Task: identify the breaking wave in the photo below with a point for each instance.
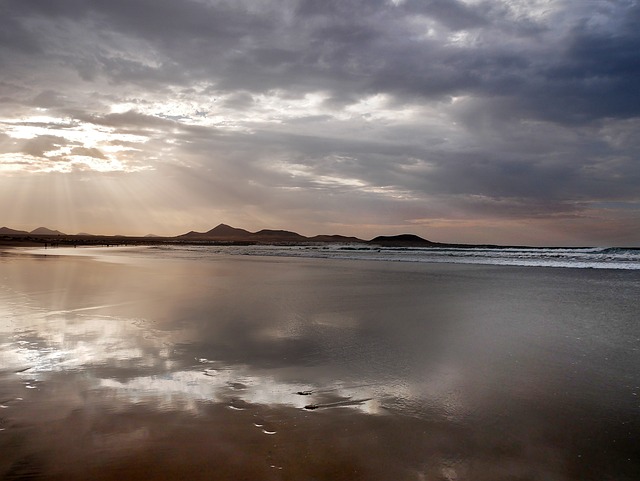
(582, 258)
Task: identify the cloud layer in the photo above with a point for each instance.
(473, 121)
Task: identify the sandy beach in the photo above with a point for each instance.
(130, 364)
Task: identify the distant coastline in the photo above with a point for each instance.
(222, 234)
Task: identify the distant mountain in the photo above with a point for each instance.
(45, 231)
(7, 231)
(226, 233)
(402, 240)
(334, 238)
(189, 234)
(270, 235)
(221, 232)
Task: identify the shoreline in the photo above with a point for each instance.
(585, 260)
(34, 240)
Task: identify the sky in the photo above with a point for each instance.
(471, 121)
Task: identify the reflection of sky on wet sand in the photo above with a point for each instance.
(129, 355)
(307, 369)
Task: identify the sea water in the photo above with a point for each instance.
(579, 258)
(318, 363)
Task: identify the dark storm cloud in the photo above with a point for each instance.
(49, 99)
(453, 14)
(95, 153)
(348, 48)
(129, 119)
(38, 146)
(593, 76)
(482, 183)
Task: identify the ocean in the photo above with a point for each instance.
(320, 363)
(579, 258)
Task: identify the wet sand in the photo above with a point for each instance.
(135, 364)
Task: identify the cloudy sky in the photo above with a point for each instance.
(502, 121)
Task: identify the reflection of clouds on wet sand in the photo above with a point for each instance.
(59, 344)
(232, 384)
(137, 364)
(101, 379)
(101, 436)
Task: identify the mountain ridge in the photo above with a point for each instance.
(225, 233)
(9, 231)
(401, 239)
(46, 231)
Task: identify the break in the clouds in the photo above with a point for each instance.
(504, 121)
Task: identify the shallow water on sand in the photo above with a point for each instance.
(124, 365)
